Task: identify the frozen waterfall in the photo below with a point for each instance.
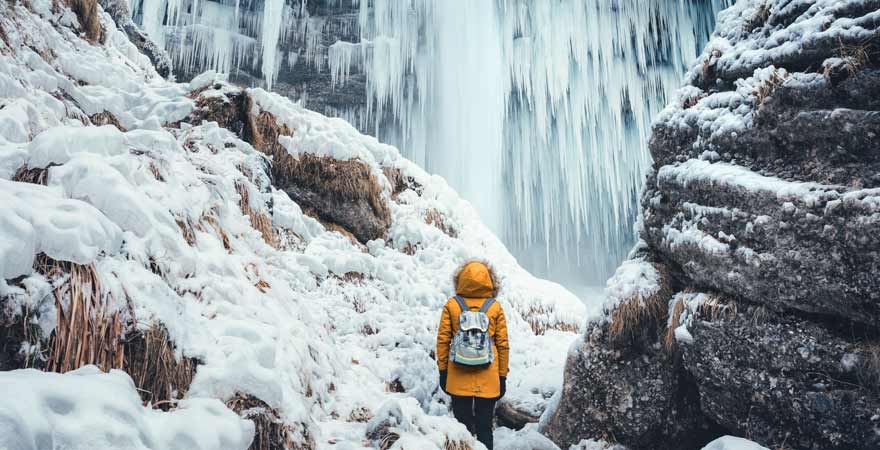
(536, 111)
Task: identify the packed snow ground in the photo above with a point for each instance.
(285, 325)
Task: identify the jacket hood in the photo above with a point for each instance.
(475, 279)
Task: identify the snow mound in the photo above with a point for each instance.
(88, 409)
(38, 220)
(733, 443)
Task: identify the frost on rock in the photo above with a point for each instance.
(175, 215)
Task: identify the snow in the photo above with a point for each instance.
(634, 278)
(282, 324)
(87, 409)
(733, 443)
(37, 220)
(526, 439)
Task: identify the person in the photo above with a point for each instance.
(474, 389)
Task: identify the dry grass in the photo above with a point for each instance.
(437, 219)
(712, 310)
(151, 361)
(635, 314)
(210, 220)
(855, 56)
(271, 433)
(361, 415)
(456, 445)
(36, 175)
(388, 440)
(399, 182)
(186, 229)
(536, 317)
(260, 221)
(106, 118)
(342, 179)
(89, 23)
(768, 87)
(88, 330)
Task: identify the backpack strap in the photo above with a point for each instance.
(461, 304)
(486, 305)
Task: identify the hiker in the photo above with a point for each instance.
(472, 349)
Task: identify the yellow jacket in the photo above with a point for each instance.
(475, 284)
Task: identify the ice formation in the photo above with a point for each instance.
(317, 328)
(536, 111)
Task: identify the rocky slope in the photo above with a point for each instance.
(751, 305)
(252, 274)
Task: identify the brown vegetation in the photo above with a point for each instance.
(438, 220)
(635, 314)
(160, 376)
(399, 182)
(106, 118)
(89, 23)
(260, 221)
(768, 87)
(271, 433)
(710, 310)
(88, 330)
(36, 175)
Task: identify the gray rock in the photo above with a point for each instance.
(635, 394)
(783, 381)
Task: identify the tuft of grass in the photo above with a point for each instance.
(270, 431)
(160, 376)
(438, 220)
(768, 87)
(635, 314)
(88, 329)
(260, 221)
(36, 175)
(536, 317)
(388, 440)
(89, 23)
(186, 229)
(106, 118)
(456, 445)
(210, 220)
(712, 310)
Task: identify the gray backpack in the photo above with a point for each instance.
(472, 345)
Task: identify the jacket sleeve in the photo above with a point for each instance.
(501, 342)
(444, 338)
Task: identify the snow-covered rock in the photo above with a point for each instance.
(762, 208)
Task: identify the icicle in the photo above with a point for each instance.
(271, 32)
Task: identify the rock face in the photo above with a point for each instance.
(764, 209)
(343, 194)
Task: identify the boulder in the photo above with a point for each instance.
(635, 394)
(784, 381)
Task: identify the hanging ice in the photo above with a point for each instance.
(536, 111)
(579, 81)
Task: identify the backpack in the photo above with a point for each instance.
(472, 345)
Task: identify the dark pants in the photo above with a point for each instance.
(476, 414)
